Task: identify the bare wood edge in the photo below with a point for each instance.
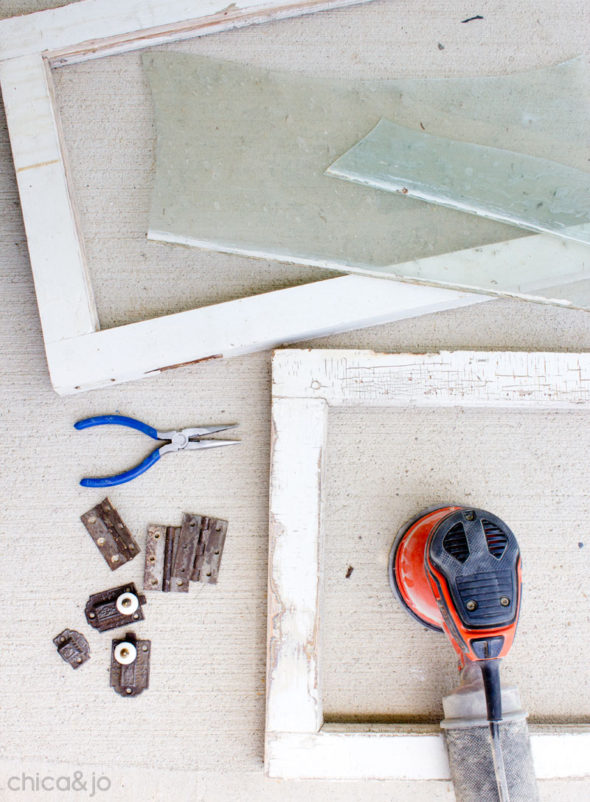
(56, 32)
(226, 20)
(367, 751)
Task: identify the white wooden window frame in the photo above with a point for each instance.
(306, 384)
(80, 356)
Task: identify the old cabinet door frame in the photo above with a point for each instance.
(306, 384)
(80, 355)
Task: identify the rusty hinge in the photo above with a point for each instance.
(115, 542)
(159, 557)
(176, 555)
(73, 647)
(209, 550)
(117, 607)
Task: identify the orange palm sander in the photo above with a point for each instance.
(457, 570)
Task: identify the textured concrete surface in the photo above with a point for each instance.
(197, 733)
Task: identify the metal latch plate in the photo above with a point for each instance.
(116, 607)
(130, 665)
(72, 647)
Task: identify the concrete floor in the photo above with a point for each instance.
(198, 732)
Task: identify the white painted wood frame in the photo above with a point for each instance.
(80, 356)
(298, 743)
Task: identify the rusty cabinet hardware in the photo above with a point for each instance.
(177, 555)
(115, 542)
(209, 550)
(130, 665)
(117, 607)
(159, 558)
(186, 549)
(72, 647)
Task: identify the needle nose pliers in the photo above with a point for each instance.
(185, 439)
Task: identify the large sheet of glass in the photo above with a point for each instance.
(242, 152)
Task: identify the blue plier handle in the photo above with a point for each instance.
(176, 441)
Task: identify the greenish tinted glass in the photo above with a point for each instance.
(525, 191)
(242, 152)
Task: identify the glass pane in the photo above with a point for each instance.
(242, 152)
(536, 194)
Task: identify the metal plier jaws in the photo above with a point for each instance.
(185, 439)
